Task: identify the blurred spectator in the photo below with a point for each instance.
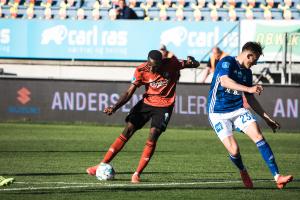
(48, 13)
(29, 3)
(165, 52)
(179, 5)
(201, 3)
(2, 2)
(270, 3)
(30, 12)
(1, 14)
(179, 14)
(13, 12)
(96, 14)
(267, 12)
(232, 3)
(163, 16)
(104, 4)
(213, 12)
(70, 3)
(288, 3)
(113, 2)
(207, 73)
(197, 15)
(287, 14)
(124, 12)
(218, 3)
(112, 14)
(80, 14)
(251, 3)
(62, 13)
(132, 3)
(167, 3)
(249, 12)
(232, 14)
(214, 15)
(146, 6)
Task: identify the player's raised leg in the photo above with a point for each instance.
(265, 150)
(234, 154)
(147, 154)
(115, 148)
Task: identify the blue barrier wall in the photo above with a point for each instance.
(112, 40)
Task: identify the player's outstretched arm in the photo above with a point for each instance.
(124, 98)
(227, 82)
(255, 105)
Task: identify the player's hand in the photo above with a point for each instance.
(256, 89)
(192, 61)
(273, 125)
(109, 110)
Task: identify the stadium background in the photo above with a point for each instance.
(60, 65)
(42, 58)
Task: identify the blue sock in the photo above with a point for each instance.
(267, 154)
(237, 160)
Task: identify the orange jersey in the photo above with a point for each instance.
(159, 87)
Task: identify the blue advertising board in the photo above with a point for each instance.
(112, 40)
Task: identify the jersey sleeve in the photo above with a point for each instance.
(225, 67)
(137, 78)
(176, 64)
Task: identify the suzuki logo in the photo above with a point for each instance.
(23, 97)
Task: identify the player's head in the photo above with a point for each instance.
(217, 53)
(154, 60)
(251, 52)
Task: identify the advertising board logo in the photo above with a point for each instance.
(24, 95)
(174, 35)
(4, 36)
(56, 34)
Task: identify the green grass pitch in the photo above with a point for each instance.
(48, 162)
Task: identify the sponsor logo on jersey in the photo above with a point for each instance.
(218, 127)
(160, 83)
(225, 65)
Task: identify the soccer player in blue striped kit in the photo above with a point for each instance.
(232, 79)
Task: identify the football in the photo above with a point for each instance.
(105, 172)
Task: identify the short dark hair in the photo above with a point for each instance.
(254, 47)
(155, 55)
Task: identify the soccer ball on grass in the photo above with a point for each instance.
(105, 172)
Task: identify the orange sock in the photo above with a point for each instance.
(146, 156)
(114, 148)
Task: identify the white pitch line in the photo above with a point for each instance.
(108, 185)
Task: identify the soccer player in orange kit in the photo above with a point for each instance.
(159, 75)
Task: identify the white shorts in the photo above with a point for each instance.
(225, 123)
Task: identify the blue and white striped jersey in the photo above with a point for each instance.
(224, 100)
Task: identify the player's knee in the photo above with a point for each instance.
(234, 150)
(129, 130)
(154, 134)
